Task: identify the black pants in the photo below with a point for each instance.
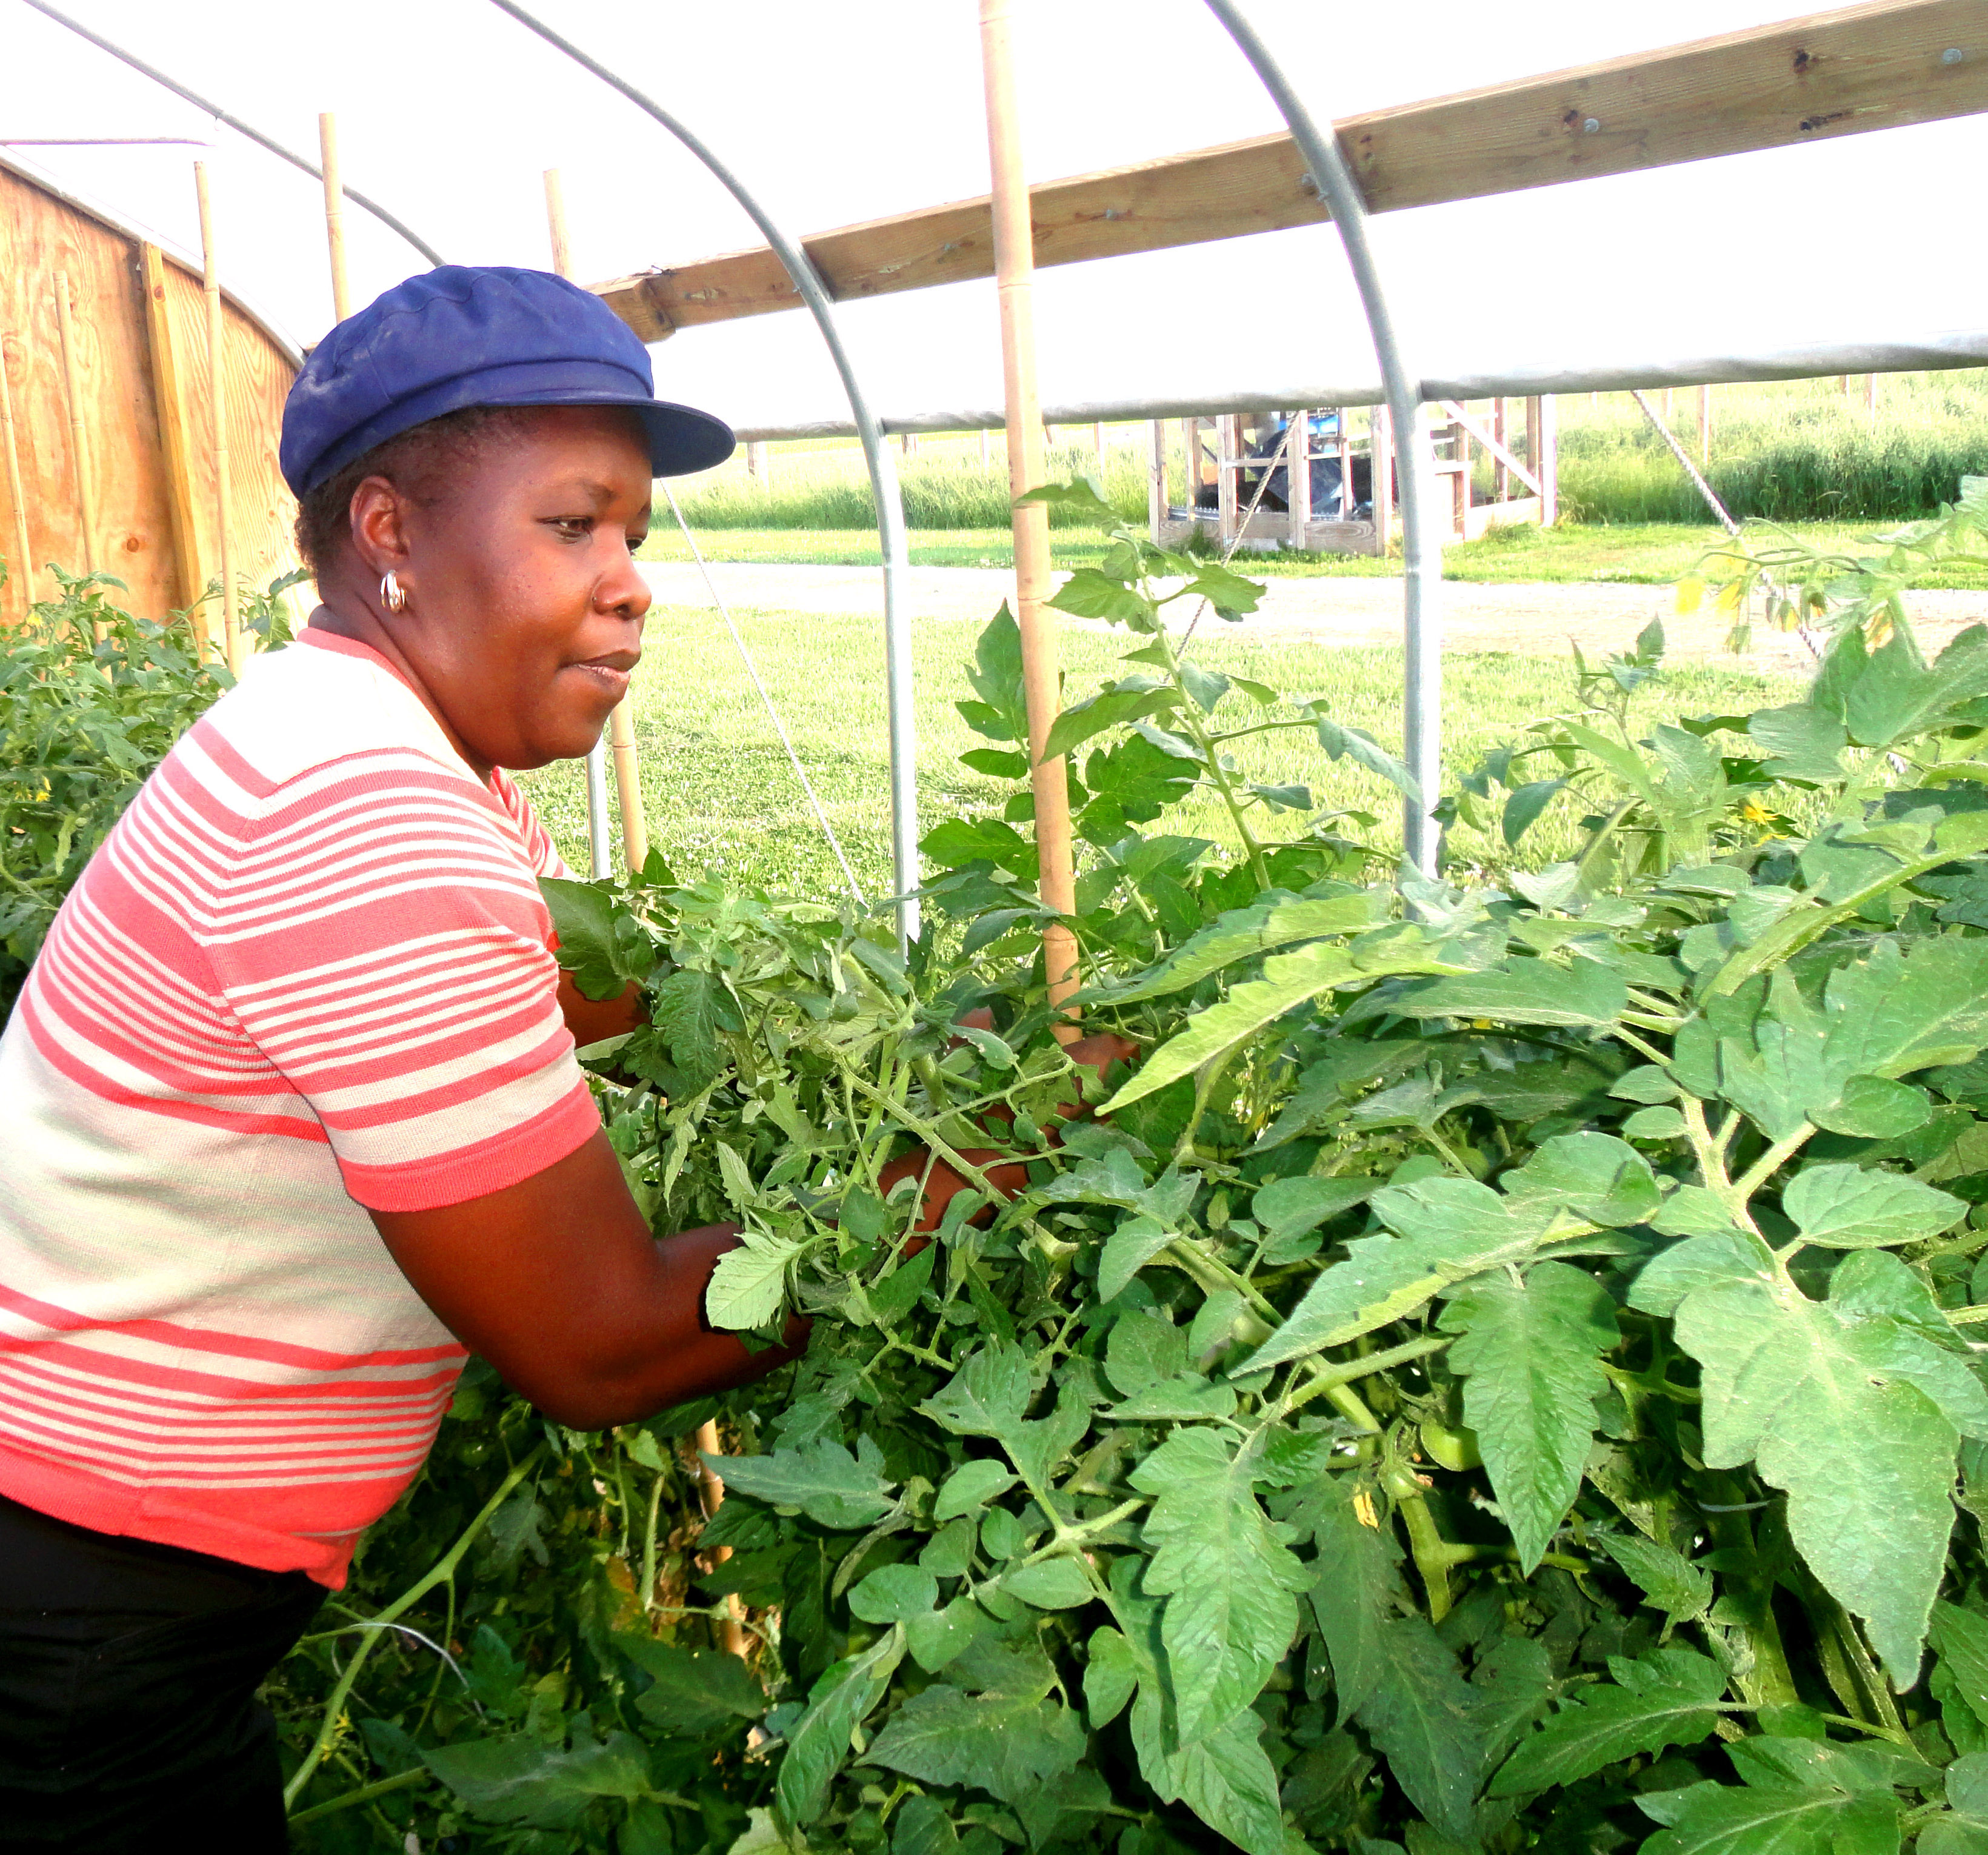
(128, 1672)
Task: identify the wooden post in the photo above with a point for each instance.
(1547, 429)
(23, 574)
(1459, 481)
(169, 399)
(1097, 444)
(217, 392)
(555, 228)
(711, 1495)
(1381, 426)
(1501, 474)
(1670, 404)
(79, 436)
(1228, 448)
(1870, 397)
(1704, 425)
(1156, 479)
(983, 446)
(1191, 463)
(1348, 501)
(1014, 270)
(755, 462)
(334, 214)
(1297, 477)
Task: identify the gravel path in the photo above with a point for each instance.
(1524, 620)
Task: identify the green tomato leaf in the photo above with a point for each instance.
(969, 1487)
(1522, 992)
(1669, 1697)
(1050, 1584)
(820, 1479)
(1230, 1611)
(1265, 925)
(521, 1779)
(1669, 1582)
(1423, 1715)
(1002, 1742)
(1847, 1207)
(818, 1744)
(749, 1284)
(894, 1594)
(1726, 1820)
(1531, 1358)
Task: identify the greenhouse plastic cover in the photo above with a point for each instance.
(448, 111)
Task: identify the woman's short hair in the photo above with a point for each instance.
(419, 463)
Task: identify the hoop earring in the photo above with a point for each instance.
(393, 595)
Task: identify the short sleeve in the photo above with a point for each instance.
(539, 848)
(382, 942)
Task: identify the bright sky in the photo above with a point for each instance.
(449, 111)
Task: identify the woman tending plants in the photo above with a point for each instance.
(1495, 1372)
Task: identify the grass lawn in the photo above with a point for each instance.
(721, 794)
(1653, 554)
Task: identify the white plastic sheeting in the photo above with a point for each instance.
(448, 111)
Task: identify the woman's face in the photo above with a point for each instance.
(524, 606)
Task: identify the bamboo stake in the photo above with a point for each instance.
(217, 394)
(334, 214)
(24, 569)
(79, 436)
(1014, 270)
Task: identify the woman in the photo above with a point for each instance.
(289, 1115)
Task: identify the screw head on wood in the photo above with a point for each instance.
(1953, 55)
(1306, 184)
(1592, 126)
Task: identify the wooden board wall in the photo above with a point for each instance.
(41, 235)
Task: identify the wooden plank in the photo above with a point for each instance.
(1228, 448)
(170, 404)
(1879, 65)
(21, 551)
(41, 233)
(1297, 476)
(1156, 479)
(1383, 448)
(1507, 463)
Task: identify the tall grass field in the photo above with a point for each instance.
(1793, 450)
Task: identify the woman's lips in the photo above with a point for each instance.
(612, 673)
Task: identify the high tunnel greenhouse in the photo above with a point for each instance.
(1216, 1318)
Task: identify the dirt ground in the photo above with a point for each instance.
(1525, 620)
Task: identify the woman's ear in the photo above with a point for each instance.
(378, 513)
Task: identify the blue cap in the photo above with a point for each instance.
(478, 335)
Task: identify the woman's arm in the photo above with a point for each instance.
(594, 1021)
(557, 1282)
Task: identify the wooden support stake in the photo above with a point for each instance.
(216, 392)
(1870, 397)
(169, 397)
(78, 435)
(1297, 477)
(1383, 467)
(1156, 479)
(23, 575)
(1014, 270)
(731, 1632)
(334, 214)
(1228, 481)
(1501, 472)
(1546, 431)
(1097, 443)
(983, 445)
(1704, 425)
(1459, 481)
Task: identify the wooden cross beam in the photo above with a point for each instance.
(1879, 65)
(1453, 410)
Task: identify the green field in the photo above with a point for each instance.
(1649, 554)
(721, 794)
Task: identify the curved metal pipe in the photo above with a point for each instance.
(237, 125)
(1421, 552)
(882, 473)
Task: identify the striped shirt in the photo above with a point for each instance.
(308, 974)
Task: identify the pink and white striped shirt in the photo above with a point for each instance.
(308, 973)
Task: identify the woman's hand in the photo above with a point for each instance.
(1096, 1053)
(557, 1282)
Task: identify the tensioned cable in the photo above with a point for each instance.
(235, 123)
(766, 695)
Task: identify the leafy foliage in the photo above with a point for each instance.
(1496, 1372)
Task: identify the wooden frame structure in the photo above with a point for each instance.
(139, 340)
(1882, 65)
(1220, 482)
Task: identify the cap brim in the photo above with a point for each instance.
(682, 440)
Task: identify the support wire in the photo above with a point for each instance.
(766, 695)
(236, 123)
(1421, 551)
(883, 472)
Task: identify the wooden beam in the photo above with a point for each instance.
(1460, 417)
(175, 448)
(1879, 65)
